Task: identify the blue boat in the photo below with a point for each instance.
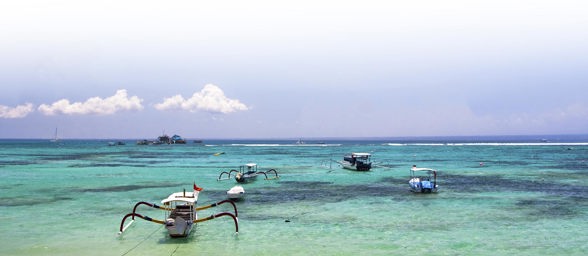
(423, 180)
(177, 139)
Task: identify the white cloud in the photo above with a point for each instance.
(210, 99)
(95, 105)
(575, 111)
(19, 111)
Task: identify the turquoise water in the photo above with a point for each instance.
(497, 196)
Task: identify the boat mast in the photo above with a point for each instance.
(55, 136)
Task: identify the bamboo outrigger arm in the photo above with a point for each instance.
(219, 203)
(220, 177)
(198, 209)
(150, 205)
(147, 218)
(269, 171)
(235, 219)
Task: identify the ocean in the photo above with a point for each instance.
(513, 195)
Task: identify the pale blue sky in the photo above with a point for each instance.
(290, 69)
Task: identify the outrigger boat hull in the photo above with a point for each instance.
(357, 162)
(178, 227)
(246, 177)
(358, 167)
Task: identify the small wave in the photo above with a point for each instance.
(415, 144)
(284, 145)
(395, 144)
(418, 144)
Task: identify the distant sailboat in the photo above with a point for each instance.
(55, 138)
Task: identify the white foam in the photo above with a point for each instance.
(285, 145)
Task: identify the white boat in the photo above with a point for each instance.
(180, 220)
(357, 162)
(181, 213)
(423, 180)
(247, 173)
(236, 193)
(55, 138)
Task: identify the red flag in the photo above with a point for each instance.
(196, 188)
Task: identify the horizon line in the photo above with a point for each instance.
(330, 137)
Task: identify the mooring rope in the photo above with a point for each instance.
(174, 252)
(137, 245)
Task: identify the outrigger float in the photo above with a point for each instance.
(247, 173)
(181, 213)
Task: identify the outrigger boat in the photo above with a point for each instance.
(426, 183)
(180, 213)
(247, 173)
(357, 162)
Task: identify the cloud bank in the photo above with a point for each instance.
(19, 111)
(210, 99)
(95, 105)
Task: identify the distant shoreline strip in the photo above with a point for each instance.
(492, 144)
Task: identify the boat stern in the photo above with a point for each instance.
(178, 227)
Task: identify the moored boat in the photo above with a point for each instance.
(177, 139)
(357, 162)
(247, 173)
(55, 138)
(236, 193)
(423, 180)
(118, 143)
(181, 213)
(163, 139)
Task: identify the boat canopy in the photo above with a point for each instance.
(251, 165)
(360, 154)
(188, 197)
(414, 169)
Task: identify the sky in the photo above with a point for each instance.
(292, 69)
